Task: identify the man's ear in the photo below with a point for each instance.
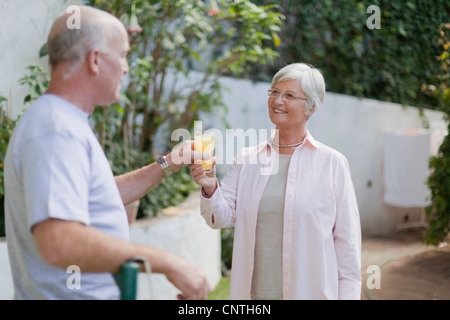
(93, 59)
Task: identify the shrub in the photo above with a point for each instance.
(439, 180)
(169, 39)
(387, 64)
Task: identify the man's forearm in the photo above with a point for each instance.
(134, 185)
(64, 243)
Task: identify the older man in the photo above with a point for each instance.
(63, 205)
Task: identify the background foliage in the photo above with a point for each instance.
(178, 37)
(439, 180)
(6, 127)
(169, 39)
(389, 64)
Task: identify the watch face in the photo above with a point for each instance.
(164, 165)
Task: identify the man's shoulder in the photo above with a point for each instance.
(50, 115)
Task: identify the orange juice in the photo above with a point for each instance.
(204, 142)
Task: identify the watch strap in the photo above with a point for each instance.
(164, 165)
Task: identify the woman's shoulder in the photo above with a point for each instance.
(249, 150)
(250, 154)
(330, 152)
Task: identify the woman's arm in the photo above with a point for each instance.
(218, 202)
(347, 236)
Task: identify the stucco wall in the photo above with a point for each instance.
(6, 284)
(24, 27)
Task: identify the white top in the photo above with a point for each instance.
(56, 168)
(321, 246)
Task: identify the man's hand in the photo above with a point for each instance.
(189, 279)
(183, 154)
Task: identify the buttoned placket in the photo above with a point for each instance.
(287, 223)
(288, 214)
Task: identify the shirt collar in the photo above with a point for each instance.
(69, 106)
(313, 142)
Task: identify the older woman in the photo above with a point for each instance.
(297, 230)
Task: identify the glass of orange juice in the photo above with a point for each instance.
(204, 142)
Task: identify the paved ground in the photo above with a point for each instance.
(409, 270)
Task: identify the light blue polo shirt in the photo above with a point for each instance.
(56, 168)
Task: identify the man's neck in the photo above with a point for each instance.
(73, 90)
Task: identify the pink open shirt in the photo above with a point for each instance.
(321, 230)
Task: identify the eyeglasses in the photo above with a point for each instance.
(273, 93)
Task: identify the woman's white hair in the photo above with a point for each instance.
(310, 80)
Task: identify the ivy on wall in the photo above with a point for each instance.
(389, 64)
(439, 180)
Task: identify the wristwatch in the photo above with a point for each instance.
(164, 165)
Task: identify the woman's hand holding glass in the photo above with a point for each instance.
(204, 172)
(206, 179)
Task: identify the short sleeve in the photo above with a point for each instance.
(55, 174)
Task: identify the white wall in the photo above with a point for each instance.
(6, 283)
(351, 125)
(187, 236)
(24, 27)
(356, 127)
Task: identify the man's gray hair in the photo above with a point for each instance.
(310, 79)
(73, 44)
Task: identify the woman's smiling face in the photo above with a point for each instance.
(283, 112)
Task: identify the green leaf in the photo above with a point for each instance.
(43, 51)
